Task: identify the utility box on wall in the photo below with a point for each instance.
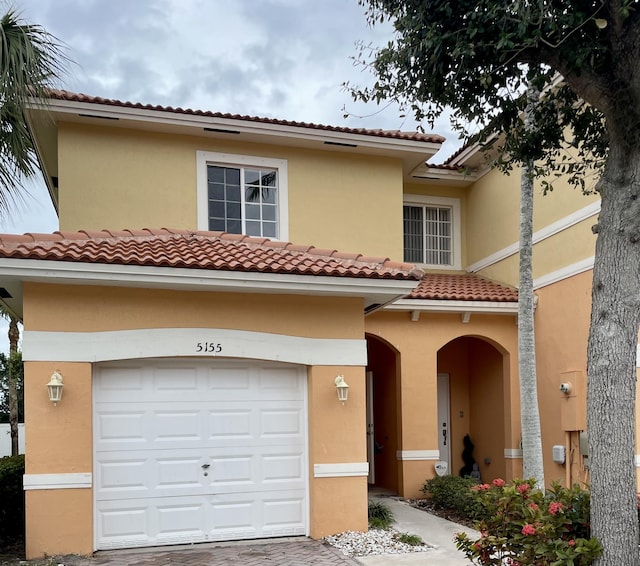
(572, 387)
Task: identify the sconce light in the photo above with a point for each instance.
(55, 386)
(342, 389)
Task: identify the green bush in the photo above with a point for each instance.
(411, 540)
(380, 516)
(524, 526)
(453, 493)
(11, 499)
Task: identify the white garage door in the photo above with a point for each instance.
(194, 450)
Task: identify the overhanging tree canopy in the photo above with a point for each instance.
(474, 56)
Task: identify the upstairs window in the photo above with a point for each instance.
(432, 231)
(242, 195)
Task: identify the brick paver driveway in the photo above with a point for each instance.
(288, 552)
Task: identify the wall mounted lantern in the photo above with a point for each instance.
(342, 389)
(55, 386)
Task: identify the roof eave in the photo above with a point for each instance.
(374, 291)
(454, 306)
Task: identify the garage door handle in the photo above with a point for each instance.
(205, 466)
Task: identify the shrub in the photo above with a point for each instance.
(522, 526)
(411, 540)
(454, 493)
(380, 516)
(11, 499)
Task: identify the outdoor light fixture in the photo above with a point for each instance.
(342, 389)
(55, 386)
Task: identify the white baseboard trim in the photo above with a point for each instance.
(57, 481)
(418, 455)
(346, 470)
(513, 453)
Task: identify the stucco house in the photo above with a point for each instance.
(213, 277)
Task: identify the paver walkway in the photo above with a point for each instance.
(288, 552)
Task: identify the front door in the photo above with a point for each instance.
(444, 429)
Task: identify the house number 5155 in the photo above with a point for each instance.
(209, 347)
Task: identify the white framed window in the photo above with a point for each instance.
(242, 194)
(431, 230)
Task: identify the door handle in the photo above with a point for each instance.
(205, 467)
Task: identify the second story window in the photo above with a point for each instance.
(432, 231)
(242, 195)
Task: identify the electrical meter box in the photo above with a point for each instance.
(558, 454)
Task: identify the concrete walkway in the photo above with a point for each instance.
(433, 530)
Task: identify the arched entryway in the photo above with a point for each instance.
(383, 409)
(471, 385)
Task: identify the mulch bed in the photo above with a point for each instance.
(448, 514)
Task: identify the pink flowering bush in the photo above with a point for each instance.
(521, 526)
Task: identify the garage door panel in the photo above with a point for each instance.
(198, 450)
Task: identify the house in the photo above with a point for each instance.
(213, 278)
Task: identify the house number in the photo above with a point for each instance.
(209, 347)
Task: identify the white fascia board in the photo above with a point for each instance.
(443, 306)
(169, 118)
(198, 279)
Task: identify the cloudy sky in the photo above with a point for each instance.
(273, 58)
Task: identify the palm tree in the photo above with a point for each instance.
(529, 412)
(31, 63)
(14, 338)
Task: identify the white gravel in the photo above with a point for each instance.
(375, 541)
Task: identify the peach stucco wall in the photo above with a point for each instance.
(418, 344)
(59, 439)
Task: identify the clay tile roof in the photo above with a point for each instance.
(394, 134)
(198, 250)
(462, 288)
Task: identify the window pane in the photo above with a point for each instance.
(216, 191)
(253, 228)
(413, 234)
(215, 174)
(269, 212)
(251, 177)
(234, 227)
(232, 176)
(233, 193)
(268, 178)
(253, 211)
(270, 230)
(234, 210)
(217, 224)
(252, 194)
(216, 209)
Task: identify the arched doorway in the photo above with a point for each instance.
(471, 384)
(383, 422)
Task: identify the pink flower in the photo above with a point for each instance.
(499, 482)
(555, 507)
(528, 529)
(533, 506)
(481, 487)
(571, 542)
(524, 487)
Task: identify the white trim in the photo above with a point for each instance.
(57, 481)
(204, 158)
(47, 271)
(352, 469)
(564, 273)
(174, 342)
(637, 460)
(456, 226)
(513, 453)
(638, 356)
(418, 455)
(542, 234)
(430, 305)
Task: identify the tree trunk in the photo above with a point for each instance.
(14, 337)
(532, 460)
(611, 366)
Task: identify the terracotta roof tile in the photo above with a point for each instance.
(198, 250)
(394, 134)
(462, 288)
